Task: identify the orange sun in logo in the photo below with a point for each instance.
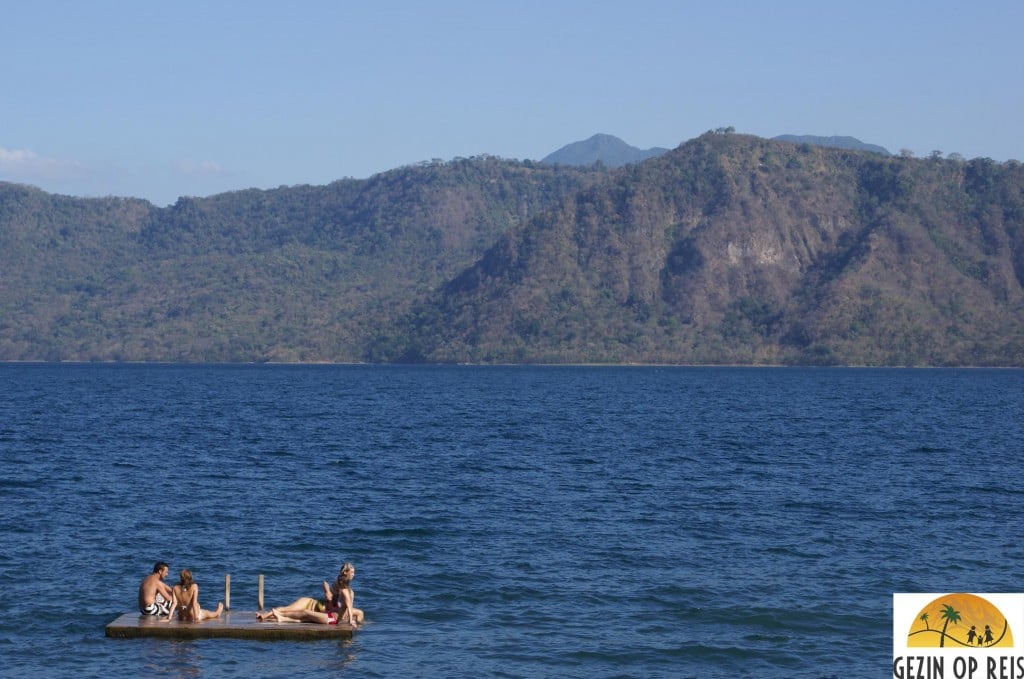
(959, 621)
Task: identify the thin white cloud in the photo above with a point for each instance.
(22, 164)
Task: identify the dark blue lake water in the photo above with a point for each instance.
(511, 522)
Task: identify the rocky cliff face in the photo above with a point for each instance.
(735, 249)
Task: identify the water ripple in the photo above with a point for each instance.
(505, 521)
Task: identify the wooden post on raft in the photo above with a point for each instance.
(227, 592)
(259, 595)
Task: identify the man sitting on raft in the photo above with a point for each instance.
(337, 605)
(154, 595)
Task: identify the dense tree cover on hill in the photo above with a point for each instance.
(833, 142)
(728, 249)
(293, 274)
(734, 249)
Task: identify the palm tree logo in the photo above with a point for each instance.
(968, 621)
(950, 616)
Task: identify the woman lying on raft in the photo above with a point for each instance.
(336, 606)
(185, 601)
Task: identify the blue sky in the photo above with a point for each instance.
(159, 99)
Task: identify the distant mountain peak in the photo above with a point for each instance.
(851, 143)
(605, 148)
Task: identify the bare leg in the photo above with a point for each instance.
(282, 618)
(303, 603)
(268, 615)
(356, 618)
(301, 616)
(209, 615)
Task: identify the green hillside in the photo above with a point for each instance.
(306, 273)
(728, 249)
(734, 249)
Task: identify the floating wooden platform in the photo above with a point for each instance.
(232, 624)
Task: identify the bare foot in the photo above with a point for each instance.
(281, 617)
(220, 609)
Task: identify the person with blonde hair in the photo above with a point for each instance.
(185, 600)
(336, 607)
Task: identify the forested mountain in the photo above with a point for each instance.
(728, 249)
(734, 249)
(613, 152)
(851, 143)
(305, 273)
